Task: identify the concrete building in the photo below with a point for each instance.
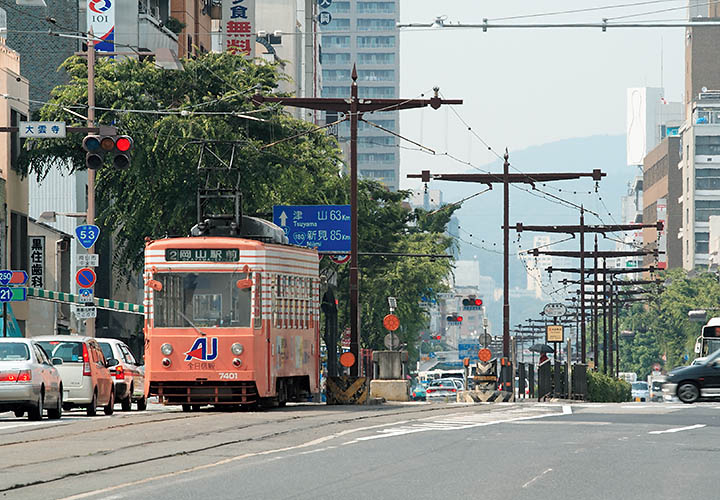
(700, 164)
(196, 36)
(650, 118)
(13, 185)
(365, 33)
(662, 189)
(702, 70)
(536, 266)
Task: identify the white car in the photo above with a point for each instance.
(28, 380)
(444, 389)
(86, 378)
(640, 391)
(128, 374)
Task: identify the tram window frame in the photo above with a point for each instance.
(257, 310)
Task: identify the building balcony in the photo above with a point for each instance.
(152, 35)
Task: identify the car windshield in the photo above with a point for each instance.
(107, 350)
(713, 356)
(444, 383)
(14, 351)
(640, 386)
(69, 352)
(206, 299)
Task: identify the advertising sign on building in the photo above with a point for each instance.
(101, 19)
(238, 27)
(37, 261)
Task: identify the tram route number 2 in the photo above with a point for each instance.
(228, 376)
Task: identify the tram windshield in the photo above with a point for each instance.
(208, 299)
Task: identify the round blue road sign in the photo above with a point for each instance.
(85, 277)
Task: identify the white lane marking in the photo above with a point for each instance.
(678, 429)
(567, 410)
(536, 478)
(226, 461)
(563, 422)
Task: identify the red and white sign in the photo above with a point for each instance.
(85, 277)
(238, 27)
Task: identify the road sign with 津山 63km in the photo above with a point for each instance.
(87, 234)
(85, 277)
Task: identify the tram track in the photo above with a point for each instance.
(201, 449)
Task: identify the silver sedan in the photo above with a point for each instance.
(28, 380)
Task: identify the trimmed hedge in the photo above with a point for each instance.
(605, 389)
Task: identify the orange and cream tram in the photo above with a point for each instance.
(231, 320)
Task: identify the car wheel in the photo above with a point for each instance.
(110, 408)
(688, 392)
(56, 413)
(141, 404)
(126, 404)
(19, 413)
(91, 410)
(186, 408)
(36, 412)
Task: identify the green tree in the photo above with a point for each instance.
(166, 112)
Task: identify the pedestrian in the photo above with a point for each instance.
(543, 357)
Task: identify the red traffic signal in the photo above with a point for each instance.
(458, 319)
(478, 302)
(96, 146)
(454, 318)
(438, 337)
(472, 301)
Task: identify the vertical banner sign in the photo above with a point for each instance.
(101, 18)
(238, 27)
(37, 261)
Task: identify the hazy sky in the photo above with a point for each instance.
(526, 87)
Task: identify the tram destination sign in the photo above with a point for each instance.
(202, 254)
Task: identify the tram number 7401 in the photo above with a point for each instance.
(228, 376)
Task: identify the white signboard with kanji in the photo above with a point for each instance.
(37, 261)
(238, 27)
(42, 130)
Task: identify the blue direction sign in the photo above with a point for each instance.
(12, 294)
(324, 18)
(468, 351)
(9, 277)
(324, 3)
(325, 227)
(87, 234)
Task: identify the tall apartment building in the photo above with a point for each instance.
(365, 33)
(536, 266)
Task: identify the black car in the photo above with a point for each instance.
(690, 383)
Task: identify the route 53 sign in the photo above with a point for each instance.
(87, 234)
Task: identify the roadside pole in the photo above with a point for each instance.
(90, 322)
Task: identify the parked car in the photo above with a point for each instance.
(444, 389)
(84, 370)
(656, 389)
(640, 391)
(691, 383)
(28, 380)
(418, 393)
(128, 378)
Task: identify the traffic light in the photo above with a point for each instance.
(454, 318)
(472, 301)
(97, 146)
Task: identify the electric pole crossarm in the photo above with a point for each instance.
(611, 228)
(364, 105)
(608, 271)
(512, 178)
(601, 254)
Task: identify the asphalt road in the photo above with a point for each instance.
(413, 451)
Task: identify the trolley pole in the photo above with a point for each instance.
(353, 109)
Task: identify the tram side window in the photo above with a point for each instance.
(203, 299)
(258, 301)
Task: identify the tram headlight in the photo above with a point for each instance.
(237, 349)
(166, 349)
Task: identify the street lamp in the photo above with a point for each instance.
(51, 216)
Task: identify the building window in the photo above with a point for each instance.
(343, 58)
(338, 24)
(376, 7)
(336, 91)
(376, 157)
(377, 75)
(707, 178)
(376, 24)
(381, 92)
(380, 58)
(370, 141)
(339, 7)
(334, 42)
(16, 144)
(705, 208)
(707, 145)
(381, 175)
(18, 242)
(334, 75)
(362, 126)
(365, 42)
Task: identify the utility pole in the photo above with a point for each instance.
(506, 178)
(354, 108)
(90, 322)
(582, 228)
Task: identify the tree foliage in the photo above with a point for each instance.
(662, 328)
(167, 112)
